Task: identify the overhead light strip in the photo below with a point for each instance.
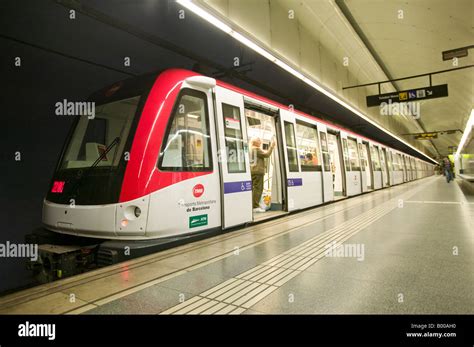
(218, 23)
(465, 135)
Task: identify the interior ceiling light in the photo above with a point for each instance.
(465, 135)
(220, 24)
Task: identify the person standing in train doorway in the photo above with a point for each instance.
(447, 169)
(258, 169)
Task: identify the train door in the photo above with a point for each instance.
(368, 166)
(410, 172)
(336, 165)
(415, 167)
(294, 182)
(406, 177)
(309, 153)
(352, 165)
(389, 163)
(328, 189)
(383, 165)
(402, 166)
(266, 167)
(236, 184)
(399, 168)
(363, 166)
(377, 171)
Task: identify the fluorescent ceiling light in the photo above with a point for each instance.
(217, 22)
(465, 135)
(205, 15)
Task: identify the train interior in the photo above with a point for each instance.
(263, 126)
(335, 165)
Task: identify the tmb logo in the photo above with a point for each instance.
(198, 190)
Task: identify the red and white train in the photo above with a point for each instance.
(167, 155)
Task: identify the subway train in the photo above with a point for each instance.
(168, 154)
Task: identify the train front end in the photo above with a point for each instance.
(84, 197)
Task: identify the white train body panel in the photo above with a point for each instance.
(175, 210)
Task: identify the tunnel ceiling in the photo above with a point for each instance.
(154, 37)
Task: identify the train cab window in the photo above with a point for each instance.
(233, 139)
(187, 144)
(325, 151)
(110, 127)
(95, 133)
(353, 154)
(291, 147)
(308, 147)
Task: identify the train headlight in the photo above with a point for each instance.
(132, 212)
(137, 212)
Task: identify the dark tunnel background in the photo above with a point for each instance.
(63, 58)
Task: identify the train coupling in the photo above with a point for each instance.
(60, 261)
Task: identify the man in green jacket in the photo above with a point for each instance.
(258, 169)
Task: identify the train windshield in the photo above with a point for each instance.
(93, 163)
(93, 135)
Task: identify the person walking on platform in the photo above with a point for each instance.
(258, 169)
(447, 169)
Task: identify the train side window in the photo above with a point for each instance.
(308, 147)
(375, 158)
(325, 151)
(187, 145)
(362, 157)
(233, 139)
(391, 164)
(400, 162)
(382, 159)
(353, 155)
(393, 161)
(345, 151)
(291, 147)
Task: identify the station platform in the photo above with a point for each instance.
(407, 249)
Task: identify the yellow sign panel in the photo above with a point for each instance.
(426, 136)
(403, 96)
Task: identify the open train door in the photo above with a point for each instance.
(233, 157)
